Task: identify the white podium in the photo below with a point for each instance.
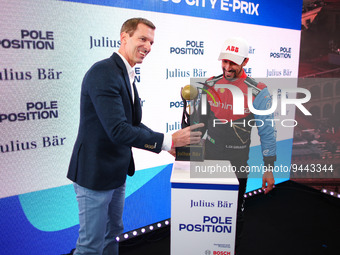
(203, 210)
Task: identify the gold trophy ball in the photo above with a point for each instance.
(189, 92)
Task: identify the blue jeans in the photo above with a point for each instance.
(100, 220)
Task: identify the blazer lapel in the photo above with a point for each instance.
(121, 64)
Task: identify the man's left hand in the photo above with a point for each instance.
(268, 182)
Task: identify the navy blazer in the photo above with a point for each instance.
(110, 124)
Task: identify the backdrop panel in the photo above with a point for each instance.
(45, 49)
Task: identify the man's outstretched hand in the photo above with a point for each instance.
(187, 136)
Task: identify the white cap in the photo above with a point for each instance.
(234, 49)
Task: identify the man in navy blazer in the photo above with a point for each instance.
(110, 125)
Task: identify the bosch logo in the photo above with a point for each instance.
(177, 104)
(221, 253)
(232, 48)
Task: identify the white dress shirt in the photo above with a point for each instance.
(167, 141)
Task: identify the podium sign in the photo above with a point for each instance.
(203, 211)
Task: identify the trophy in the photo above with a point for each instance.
(192, 152)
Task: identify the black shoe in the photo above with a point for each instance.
(71, 252)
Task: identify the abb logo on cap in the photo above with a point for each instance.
(232, 48)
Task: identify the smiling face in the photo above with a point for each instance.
(135, 47)
(232, 70)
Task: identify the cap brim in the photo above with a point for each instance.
(236, 59)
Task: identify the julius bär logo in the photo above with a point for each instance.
(232, 48)
(103, 42)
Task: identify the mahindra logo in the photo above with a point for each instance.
(238, 100)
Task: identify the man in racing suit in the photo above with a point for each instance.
(228, 135)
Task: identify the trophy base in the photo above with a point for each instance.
(190, 153)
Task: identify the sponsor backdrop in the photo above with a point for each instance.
(45, 49)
